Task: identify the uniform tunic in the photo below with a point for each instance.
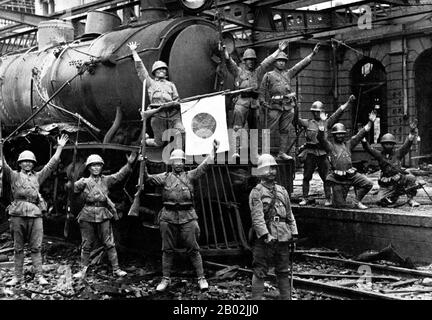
(274, 88)
(161, 91)
(393, 181)
(263, 222)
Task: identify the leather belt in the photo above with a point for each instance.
(277, 219)
(96, 204)
(27, 200)
(178, 206)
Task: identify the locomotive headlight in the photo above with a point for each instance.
(196, 6)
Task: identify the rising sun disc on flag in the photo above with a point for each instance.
(204, 125)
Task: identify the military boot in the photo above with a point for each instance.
(284, 287)
(19, 266)
(413, 203)
(257, 288)
(284, 140)
(203, 284)
(37, 266)
(165, 282)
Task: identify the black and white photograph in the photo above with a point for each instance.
(215, 158)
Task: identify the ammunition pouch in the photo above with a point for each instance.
(249, 94)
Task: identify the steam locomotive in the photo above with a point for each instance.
(88, 87)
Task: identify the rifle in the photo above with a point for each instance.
(291, 247)
(69, 215)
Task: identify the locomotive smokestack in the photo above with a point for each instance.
(153, 10)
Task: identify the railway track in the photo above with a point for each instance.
(375, 281)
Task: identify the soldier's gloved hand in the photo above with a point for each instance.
(413, 127)
(62, 140)
(316, 48)
(372, 116)
(323, 116)
(283, 45)
(351, 98)
(364, 140)
(132, 45)
(269, 238)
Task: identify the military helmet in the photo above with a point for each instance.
(282, 56)
(338, 128)
(266, 160)
(26, 155)
(317, 106)
(159, 64)
(94, 158)
(249, 54)
(388, 138)
(177, 154)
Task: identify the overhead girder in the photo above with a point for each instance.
(22, 17)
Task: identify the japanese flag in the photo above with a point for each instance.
(204, 121)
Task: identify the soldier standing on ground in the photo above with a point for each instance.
(279, 100)
(160, 91)
(27, 208)
(249, 75)
(394, 181)
(274, 225)
(313, 154)
(95, 217)
(343, 174)
(178, 219)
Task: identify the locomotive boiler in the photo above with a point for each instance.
(90, 83)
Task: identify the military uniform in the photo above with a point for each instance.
(344, 175)
(313, 154)
(161, 91)
(247, 101)
(178, 219)
(26, 212)
(271, 213)
(94, 218)
(393, 180)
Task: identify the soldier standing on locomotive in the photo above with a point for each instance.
(248, 74)
(343, 174)
(95, 217)
(27, 208)
(274, 225)
(178, 219)
(160, 91)
(278, 99)
(312, 153)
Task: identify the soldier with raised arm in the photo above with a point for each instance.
(178, 221)
(343, 174)
(27, 208)
(279, 100)
(312, 153)
(249, 75)
(394, 180)
(160, 91)
(95, 217)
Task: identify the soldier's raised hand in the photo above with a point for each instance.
(132, 157)
(283, 45)
(132, 45)
(351, 98)
(62, 140)
(413, 127)
(372, 116)
(316, 48)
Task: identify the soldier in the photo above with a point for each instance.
(27, 208)
(274, 225)
(249, 75)
(160, 91)
(394, 181)
(278, 99)
(178, 219)
(313, 154)
(95, 217)
(344, 175)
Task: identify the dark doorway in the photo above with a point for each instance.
(423, 93)
(369, 85)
